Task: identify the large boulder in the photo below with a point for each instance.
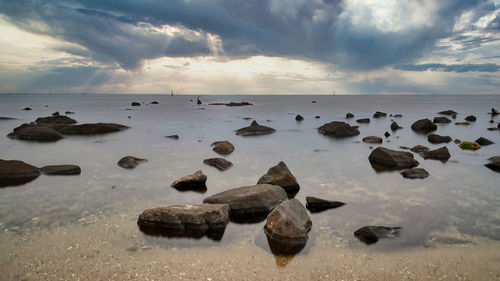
(433, 138)
(250, 201)
(194, 181)
(288, 226)
(223, 147)
(392, 159)
(441, 153)
(130, 162)
(15, 172)
(441, 119)
(35, 133)
(372, 139)
(494, 163)
(371, 234)
(220, 164)
(280, 175)
(185, 220)
(315, 205)
(63, 170)
(338, 129)
(424, 125)
(55, 119)
(415, 173)
(484, 141)
(255, 129)
(89, 129)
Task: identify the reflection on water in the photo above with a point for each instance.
(460, 194)
(215, 234)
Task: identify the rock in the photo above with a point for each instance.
(471, 118)
(154, 102)
(69, 112)
(315, 205)
(55, 113)
(433, 138)
(494, 111)
(371, 234)
(26, 108)
(419, 148)
(338, 130)
(424, 125)
(494, 163)
(398, 115)
(415, 173)
(457, 141)
(494, 129)
(89, 129)
(448, 112)
(441, 119)
(469, 145)
(186, 221)
(299, 117)
(441, 153)
(379, 114)
(484, 141)
(243, 103)
(135, 103)
(175, 137)
(395, 126)
(349, 115)
(288, 225)
(392, 158)
(194, 181)
(386, 134)
(317, 117)
(7, 118)
(363, 120)
(15, 172)
(405, 147)
(372, 139)
(247, 118)
(313, 101)
(198, 101)
(55, 119)
(223, 147)
(65, 170)
(255, 129)
(252, 202)
(454, 116)
(35, 133)
(462, 123)
(130, 162)
(219, 163)
(280, 175)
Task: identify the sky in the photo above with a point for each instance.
(205, 47)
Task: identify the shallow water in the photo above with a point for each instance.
(457, 202)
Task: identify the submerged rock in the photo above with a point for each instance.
(35, 133)
(315, 205)
(441, 153)
(395, 126)
(89, 129)
(415, 173)
(419, 148)
(371, 234)
(448, 112)
(255, 129)
(372, 139)
(280, 175)
(223, 147)
(55, 119)
(349, 115)
(299, 117)
(65, 170)
(484, 141)
(175, 137)
(130, 162)
(433, 138)
(363, 120)
(441, 120)
(471, 118)
(494, 163)
(194, 181)
(424, 125)
(338, 130)
(219, 163)
(15, 172)
(379, 114)
(7, 118)
(392, 159)
(254, 201)
(154, 102)
(462, 123)
(469, 145)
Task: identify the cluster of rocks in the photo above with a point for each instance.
(15, 172)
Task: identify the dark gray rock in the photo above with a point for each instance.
(280, 175)
(317, 117)
(395, 126)
(15, 172)
(494, 111)
(26, 108)
(392, 159)
(349, 115)
(89, 129)
(219, 163)
(433, 138)
(154, 102)
(484, 141)
(31, 132)
(175, 137)
(424, 125)
(135, 103)
(387, 134)
(130, 162)
(255, 129)
(494, 163)
(398, 115)
(415, 173)
(457, 141)
(363, 120)
(243, 103)
(7, 118)
(379, 114)
(194, 181)
(441, 119)
(55, 119)
(441, 153)
(448, 112)
(69, 112)
(471, 118)
(64, 170)
(419, 148)
(338, 130)
(299, 117)
(223, 147)
(371, 234)
(462, 123)
(372, 139)
(198, 101)
(315, 205)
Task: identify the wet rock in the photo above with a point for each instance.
(250, 202)
(371, 234)
(64, 170)
(392, 159)
(288, 225)
(255, 129)
(185, 220)
(135, 103)
(313, 101)
(424, 125)
(198, 101)
(89, 129)
(494, 163)
(494, 111)
(315, 205)
(395, 126)
(462, 123)
(433, 138)
(372, 139)
(484, 141)
(448, 112)
(398, 115)
(454, 116)
(7, 118)
(247, 118)
(15, 172)
(130, 162)
(387, 134)
(405, 147)
(338, 130)
(441, 119)
(175, 137)
(317, 117)
(493, 129)
(415, 173)
(363, 120)
(154, 102)
(69, 112)
(35, 133)
(55, 119)
(194, 181)
(26, 108)
(349, 115)
(219, 163)
(243, 103)
(55, 113)
(457, 141)
(469, 145)
(471, 118)
(222, 147)
(299, 117)
(379, 114)
(419, 148)
(280, 175)
(441, 153)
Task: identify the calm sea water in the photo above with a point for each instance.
(460, 196)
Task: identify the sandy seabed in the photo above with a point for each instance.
(110, 249)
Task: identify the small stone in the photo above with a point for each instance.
(363, 120)
(372, 139)
(471, 118)
(194, 181)
(484, 141)
(415, 173)
(135, 103)
(219, 163)
(130, 162)
(175, 137)
(299, 117)
(349, 115)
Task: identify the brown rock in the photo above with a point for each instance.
(371, 234)
(433, 138)
(395, 126)
(255, 129)
(392, 158)
(441, 153)
(64, 170)
(484, 141)
(372, 139)
(419, 148)
(363, 120)
(280, 175)
(315, 205)
(194, 181)
(15, 172)
(441, 119)
(415, 173)
(130, 162)
(35, 133)
(424, 125)
(223, 147)
(219, 163)
(338, 130)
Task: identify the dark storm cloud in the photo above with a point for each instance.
(121, 31)
(485, 67)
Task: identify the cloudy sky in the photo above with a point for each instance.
(250, 47)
